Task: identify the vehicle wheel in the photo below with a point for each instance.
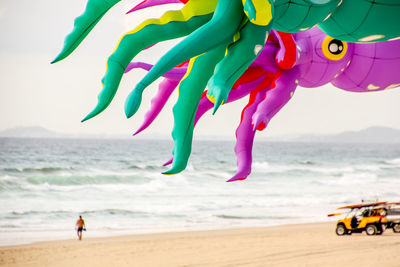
(371, 229)
(341, 230)
(396, 228)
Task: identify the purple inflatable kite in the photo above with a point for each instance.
(319, 60)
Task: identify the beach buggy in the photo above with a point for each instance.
(368, 217)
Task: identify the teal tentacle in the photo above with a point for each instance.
(190, 90)
(240, 55)
(224, 24)
(95, 10)
(130, 45)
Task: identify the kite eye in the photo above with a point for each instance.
(334, 49)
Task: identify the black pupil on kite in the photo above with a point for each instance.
(335, 47)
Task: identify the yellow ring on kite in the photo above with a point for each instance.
(334, 49)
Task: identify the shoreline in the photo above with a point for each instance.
(309, 244)
(122, 234)
(65, 235)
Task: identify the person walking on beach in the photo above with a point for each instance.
(80, 226)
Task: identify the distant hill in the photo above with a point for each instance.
(30, 132)
(370, 135)
(374, 134)
(41, 132)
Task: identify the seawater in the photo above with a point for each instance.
(118, 188)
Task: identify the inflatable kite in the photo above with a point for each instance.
(319, 60)
(233, 31)
(223, 38)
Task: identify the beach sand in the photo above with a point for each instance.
(313, 244)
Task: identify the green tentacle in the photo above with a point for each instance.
(172, 24)
(190, 90)
(224, 24)
(240, 55)
(95, 10)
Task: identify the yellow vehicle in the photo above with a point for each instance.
(368, 217)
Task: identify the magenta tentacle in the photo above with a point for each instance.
(176, 73)
(245, 132)
(276, 98)
(150, 3)
(244, 140)
(165, 90)
(169, 162)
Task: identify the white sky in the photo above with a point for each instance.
(57, 97)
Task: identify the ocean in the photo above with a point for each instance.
(118, 188)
